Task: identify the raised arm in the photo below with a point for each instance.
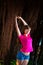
(24, 22)
(17, 28)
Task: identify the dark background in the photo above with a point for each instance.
(32, 13)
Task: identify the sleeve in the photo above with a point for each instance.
(20, 37)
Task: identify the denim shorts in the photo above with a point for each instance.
(21, 56)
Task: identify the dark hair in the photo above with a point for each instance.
(25, 27)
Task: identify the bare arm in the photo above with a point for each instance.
(24, 22)
(17, 28)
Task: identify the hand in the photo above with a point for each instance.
(18, 17)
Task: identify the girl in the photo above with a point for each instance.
(23, 55)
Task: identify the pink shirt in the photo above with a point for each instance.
(26, 42)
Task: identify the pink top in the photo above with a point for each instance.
(26, 42)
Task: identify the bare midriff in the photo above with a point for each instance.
(26, 53)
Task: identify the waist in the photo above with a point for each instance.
(26, 53)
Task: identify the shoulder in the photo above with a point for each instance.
(20, 36)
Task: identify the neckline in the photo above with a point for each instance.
(27, 35)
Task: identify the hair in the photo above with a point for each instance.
(25, 27)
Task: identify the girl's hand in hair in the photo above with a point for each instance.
(18, 17)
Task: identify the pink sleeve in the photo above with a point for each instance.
(20, 37)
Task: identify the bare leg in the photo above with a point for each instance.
(19, 62)
(25, 62)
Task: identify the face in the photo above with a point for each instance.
(27, 31)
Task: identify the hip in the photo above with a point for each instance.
(22, 56)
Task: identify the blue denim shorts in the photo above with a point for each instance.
(21, 56)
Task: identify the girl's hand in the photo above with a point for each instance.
(18, 17)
